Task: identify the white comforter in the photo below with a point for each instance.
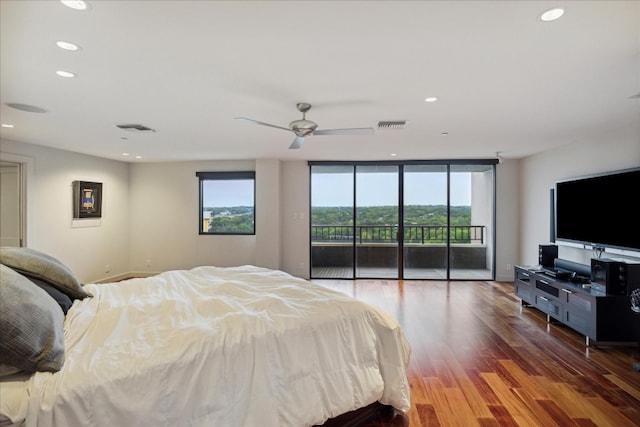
(240, 346)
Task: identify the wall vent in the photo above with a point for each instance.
(135, 128)
(392, 124)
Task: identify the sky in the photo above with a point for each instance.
(228, 193)
(380, 189)
(372, 189)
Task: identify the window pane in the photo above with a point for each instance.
(425, 222)
(227, 206)
(332, 221)
(472, 201)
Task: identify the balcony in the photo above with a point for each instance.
(425, 249)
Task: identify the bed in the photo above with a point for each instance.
(209, 346)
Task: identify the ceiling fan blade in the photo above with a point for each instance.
(351, 131)
(262, 123)
(296, 143)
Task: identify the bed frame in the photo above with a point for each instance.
(374, 415)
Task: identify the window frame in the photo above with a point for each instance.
(224, 176)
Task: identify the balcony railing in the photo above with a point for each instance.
(420, 234)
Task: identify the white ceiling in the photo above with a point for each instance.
(506, 81)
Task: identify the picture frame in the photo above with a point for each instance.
(87, 199)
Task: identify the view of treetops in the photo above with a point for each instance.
(238, 219)
(423, 224)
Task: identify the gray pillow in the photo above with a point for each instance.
(42, 266)
(31, 325)
(62, 299)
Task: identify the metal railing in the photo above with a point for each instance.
(421, 234)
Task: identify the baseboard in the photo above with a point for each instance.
(125, 276)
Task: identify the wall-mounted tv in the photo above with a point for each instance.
(599, 210)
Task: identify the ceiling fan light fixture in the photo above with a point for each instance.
(304, 128)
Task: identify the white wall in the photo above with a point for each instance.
(86, 250)
(268, 213)
(164, 231)
(164, 218)
(294, 218)
(507, 218)
(618, 149)
(150, 217)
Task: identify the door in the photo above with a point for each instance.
(332, 222)
(376, 224)
(426, 221)
(10, 202)
(472, 224)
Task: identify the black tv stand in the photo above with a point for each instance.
(602, 318)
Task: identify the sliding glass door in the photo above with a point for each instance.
(332, 222)
(376, 221)
(413, 220)
(472, 208)
(426, 221)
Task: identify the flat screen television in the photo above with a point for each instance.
(599, 210)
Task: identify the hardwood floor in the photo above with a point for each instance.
(481, 359)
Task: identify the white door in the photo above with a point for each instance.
(10, 220)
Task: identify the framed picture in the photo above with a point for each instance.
(87, 199)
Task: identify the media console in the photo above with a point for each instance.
(600, 317)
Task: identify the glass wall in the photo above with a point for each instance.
(409, 220)
(472, 204)
(332, 222)
(426, 221)
(377, 221)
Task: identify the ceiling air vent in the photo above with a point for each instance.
(135, 128)
(392, 124)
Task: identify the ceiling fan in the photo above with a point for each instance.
(304, 128)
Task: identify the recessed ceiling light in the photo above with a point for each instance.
(125, 154)
(552, 14)
(394, 154)
(445, 134)
(6, 125)
(66, 74)
(75, 4)
(67, 45)
(431, 99)
(138, 157)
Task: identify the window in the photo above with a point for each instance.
(413, 219)
(227, 202)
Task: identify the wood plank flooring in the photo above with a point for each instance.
(481, 359)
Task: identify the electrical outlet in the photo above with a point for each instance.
(147, 262)
(509, 267)
(107, 268)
